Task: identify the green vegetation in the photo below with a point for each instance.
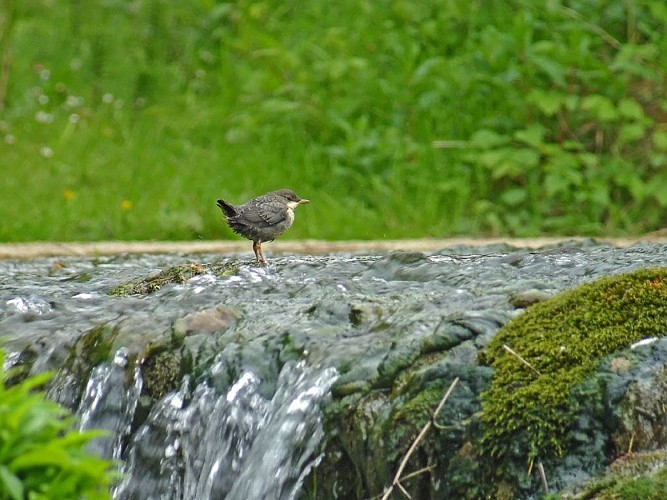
(526, 414)
(635, 476)
(40, 456)
(127, 119)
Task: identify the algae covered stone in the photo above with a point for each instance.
(529, 410)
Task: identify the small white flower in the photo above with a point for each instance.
(45, 74)
(73, 101)
(74, 118)
(10, 139)
(46, 152)
(107, 98)
(43, 99)
(43, 117)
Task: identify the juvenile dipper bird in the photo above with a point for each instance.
(262, 218)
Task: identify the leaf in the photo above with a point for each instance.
(656, 186)
(10, 483)
(631, 132)
(601, 106)
(487, 139)
(532, 136)
(549, 102)
(42, 456)
(630, 108)
(555, 184)
(513, 196)
(556, 71)
(659, 138)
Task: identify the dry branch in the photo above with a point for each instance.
(398, 477)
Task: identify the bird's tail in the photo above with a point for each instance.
(228, 209)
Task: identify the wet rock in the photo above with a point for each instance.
(207, 320)
(547, 401)
(162, 372)
(615, 408)
(400, 357)
(176, 274)
(403, 266)
(398, 327)
(447, 335)
(30, 308)
(523, 299)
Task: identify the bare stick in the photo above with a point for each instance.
(403, 490)
(418, 472)
(632, 441)
(509, 349)
(445, 144)
(540, 468)
(397, 477)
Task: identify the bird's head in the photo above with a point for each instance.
(292, 200)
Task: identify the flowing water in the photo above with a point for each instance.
(263, 347)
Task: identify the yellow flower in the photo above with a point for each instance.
(68, 194)
(126, 205)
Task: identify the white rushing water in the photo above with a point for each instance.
(107, 404)
(198, 444)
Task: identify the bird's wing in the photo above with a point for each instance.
(264, 213)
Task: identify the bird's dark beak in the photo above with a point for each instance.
(303, 202)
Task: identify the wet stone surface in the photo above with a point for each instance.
(368, 316)
(337, 307)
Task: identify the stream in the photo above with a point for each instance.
(212, 388)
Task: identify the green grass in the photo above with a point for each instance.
(129, 119)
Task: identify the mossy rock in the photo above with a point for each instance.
(529, 407)
(174, 274)
(633, 476)
(91, 349)
(163, 368)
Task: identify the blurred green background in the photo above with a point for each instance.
(397, 119)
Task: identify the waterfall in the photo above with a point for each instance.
(198, 444)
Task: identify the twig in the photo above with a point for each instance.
(396, 482)
(540, 468)
(509, 349)
(403, 490)
(418, 472)
(632, 441)
(449, 144)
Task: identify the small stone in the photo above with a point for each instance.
(207, 320)
(521, 300)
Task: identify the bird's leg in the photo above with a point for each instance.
(259, 256)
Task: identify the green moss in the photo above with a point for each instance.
(644, 488)
(632, 476)
(174, 274)
(161, 371)
(409, 379)
(93, 347)
(418, 410)
(526, 415)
